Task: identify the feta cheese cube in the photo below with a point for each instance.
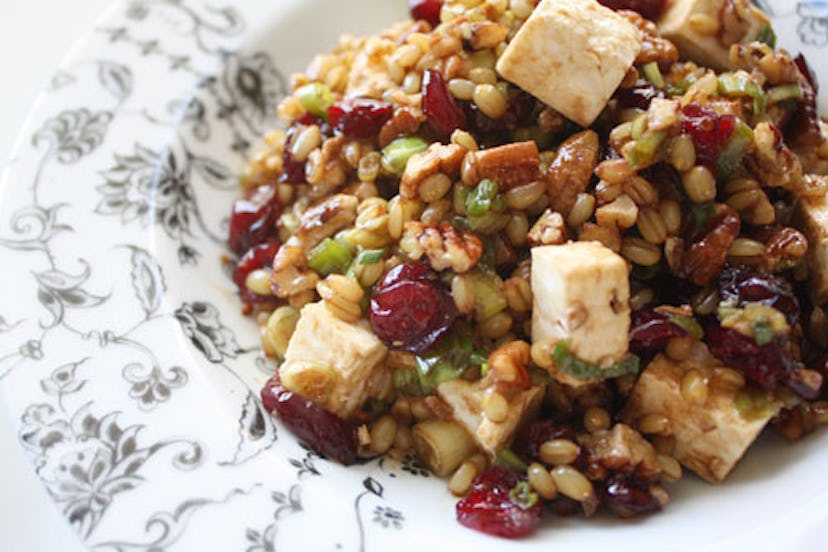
(811, 217)
(581, 294)
(332, 360)
(572, 55)
(710, 437)
(703, 32)
(466, 401)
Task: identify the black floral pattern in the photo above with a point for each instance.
(74, 134)
(201, 324)
(813, 26)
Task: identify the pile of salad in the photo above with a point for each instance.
(560, 251)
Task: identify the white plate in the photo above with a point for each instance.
(126, 364)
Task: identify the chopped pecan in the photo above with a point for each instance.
(549, 229)
(735, 23)
(774, 66)
(622, 450)
(772, 162)
(443, 244)
(703, 261)
(437, 158)
(653, 46)
(510, 166)
(326, 168)
(291, 274)
(326, 219)
(405, 121)
(570, 172)
(784, 248)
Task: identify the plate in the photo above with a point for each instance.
(125, 362)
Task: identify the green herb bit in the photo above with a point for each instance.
(767, 36)
(571, 365)
(329, 256)
(689, 325)
(785, 92)
(701, 214)
(316, 98)
(507, 457)
(639, 125)
(642, 153)
(488, 293)
(734, 150)
(523, 495)
(489, 224)
(653, 74)
(479, 201)
(762, 331)
(370, 256)
(741, 85)
(395, 155)
(449, 360)
(754, 404)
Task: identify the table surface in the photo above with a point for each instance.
(34, 37)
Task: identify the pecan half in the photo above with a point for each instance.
(510, 166)
(653, 46)
(443, 244)
(703, 261)
(570, 172)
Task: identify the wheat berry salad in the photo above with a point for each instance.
(561, 252)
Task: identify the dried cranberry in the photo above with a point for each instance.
(359, 118)
(709, 130)
(257, 257)
(325, 432)
(650, 331)
(743, 285)
(519, 113)
(628, 497)
(253, 219)
(639, 95)
(410, 310)
(804, 125)
(428, 10)
(442, 112)
(651, 9)
(528, 441)
(490, 508)
(766, 365)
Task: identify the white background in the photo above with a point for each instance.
(34, 37)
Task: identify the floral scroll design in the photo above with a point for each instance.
(813, 25)
(86, 459)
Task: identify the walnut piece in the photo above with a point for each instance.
(549, 229)
(443, 244)
(326, 219)
(570, 172)
(510, 166)
(438, 157)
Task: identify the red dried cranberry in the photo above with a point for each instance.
(490, 508)
(709, 130)
(766, 365)
(410, 310)
(428, 10)
(743, 285)
(628, 497)
(651, 9)
(638, 96)
(442, 112)
(519, 112)
(326, 433)
(650, 331)
(257, 257)
(528, 441)
(253, 219)
(804, 125)
(359, 118)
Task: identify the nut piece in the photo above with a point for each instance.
(510, 166)
(548, 230)
(487, 34)
(443, 244)
(437, 158)
(570, 172)
(326, 219)
(773, 163)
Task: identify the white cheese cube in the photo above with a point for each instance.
(811, 217)
(466, 401)
(687, 23)
(582, 295)
(710, 437)
(572, 55)
(333, 359)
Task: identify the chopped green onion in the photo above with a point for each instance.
(316, 98)
(754, 404)
(767, 36)
(484, 369)
(329, 256)
(461, 193)
(449, 360)
(642, 152)
(762, 331)
(479, 201)
(740, 85)
(488, 295)
(370, 256)
(639, 125)
(523, 496)
(689, 325)
(507, 457)
(395, 155)
(734, 150)
(571, 365)
(653, 74)
(784, 92)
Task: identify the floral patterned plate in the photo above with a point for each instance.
(124, 360)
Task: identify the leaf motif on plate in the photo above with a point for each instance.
(60, 290)
(214, 173)
(201, 324)
(74, 133)
(115, 78)
(147, 280)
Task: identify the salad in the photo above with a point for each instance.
(561, 251)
